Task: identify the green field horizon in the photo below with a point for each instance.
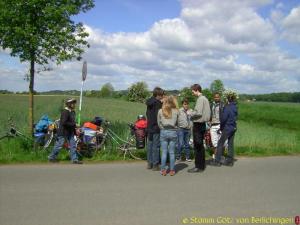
(264, 129)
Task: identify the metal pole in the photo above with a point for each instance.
(80, 103)
(84, 73)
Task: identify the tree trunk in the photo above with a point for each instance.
(31, 93)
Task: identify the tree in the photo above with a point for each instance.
(207, 93)
(217, 86)
(107, 90)
(138, 92)
(37, 31)
(187, 93)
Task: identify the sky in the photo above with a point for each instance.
(253, 46)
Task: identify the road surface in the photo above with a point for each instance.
(254, 190)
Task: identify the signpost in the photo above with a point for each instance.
(84, 73)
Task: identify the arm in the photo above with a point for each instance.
(159, 122)
(197, 112)
(224, 117)
(211, 112)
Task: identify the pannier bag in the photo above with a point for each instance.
(41, 129)
(90, 126)
(42, 124)
(92, 131)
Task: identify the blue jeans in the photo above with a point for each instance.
(226, 136)
(58, 146)
(153, 149)
(168, 141)
(183, 143)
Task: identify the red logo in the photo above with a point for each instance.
(297, 220)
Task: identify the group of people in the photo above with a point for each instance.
(170, 128)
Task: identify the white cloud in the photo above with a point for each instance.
(225, 26)
(171, 34)
(206, 42)
(291, 26)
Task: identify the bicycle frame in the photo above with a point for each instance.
(13, 132)
(127, 146)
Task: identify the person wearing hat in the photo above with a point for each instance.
(66, 132)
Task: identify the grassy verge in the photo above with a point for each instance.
(254, 139)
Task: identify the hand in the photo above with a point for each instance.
(77, 131)
(100, 130)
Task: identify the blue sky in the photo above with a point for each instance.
(129, 15)
(253, 46)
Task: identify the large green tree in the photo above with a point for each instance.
(37, 31)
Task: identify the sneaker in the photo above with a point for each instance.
(155, 168)
(188, 160)
(195, 170)
(227, 162)
(52, 160)
(172, 172)
(163, 172)
(149, 166)
(77, 162)
(215, 163)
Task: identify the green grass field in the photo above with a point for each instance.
(264, 129)
(268, 129)
(118, 112)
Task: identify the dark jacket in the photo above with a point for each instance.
(67, 123)
(153, 106)
(229, 117)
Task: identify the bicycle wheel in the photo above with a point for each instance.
(100, 141)
(4, 136)
(129, 148)
(133, 153)
(49, 140)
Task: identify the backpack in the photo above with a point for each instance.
(42, 124)
(140, 133)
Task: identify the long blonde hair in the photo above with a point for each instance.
(169, 103)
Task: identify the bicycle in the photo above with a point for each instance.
(89, 142)
(126, 146)
(13, 132)
(46, 139)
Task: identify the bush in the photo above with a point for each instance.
(138, 92)
(107, 90)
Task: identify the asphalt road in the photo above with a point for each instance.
(126, 193)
